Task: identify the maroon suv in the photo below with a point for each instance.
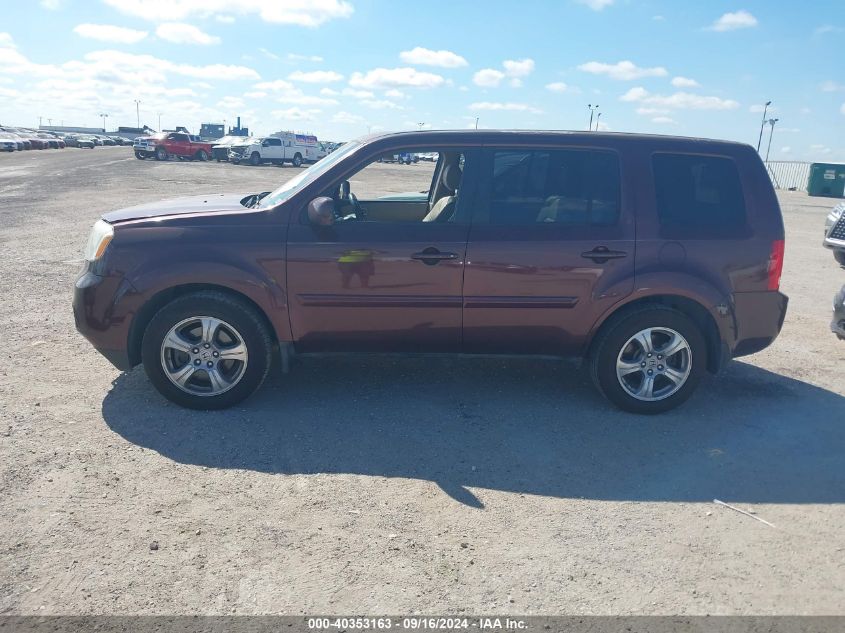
(654, 258)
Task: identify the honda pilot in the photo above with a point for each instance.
(655, 259)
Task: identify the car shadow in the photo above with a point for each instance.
(522, 425)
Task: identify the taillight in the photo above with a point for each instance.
(776, 264)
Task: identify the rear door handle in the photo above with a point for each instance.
(431, 256)
(602, 254)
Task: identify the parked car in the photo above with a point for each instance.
(282, 147)
(837, 325)
(220, 147)
(85, 142)
(10, 143)
(52, 141)
(834, 233)
(164, 145)
(653, 258)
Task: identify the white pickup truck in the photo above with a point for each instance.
(283, 147)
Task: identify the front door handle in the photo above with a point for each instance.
(431, 256)
(601, 254)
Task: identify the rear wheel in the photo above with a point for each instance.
(202, 155)
(649, 360)
(206, 350)
(161, 153)
(297, 160)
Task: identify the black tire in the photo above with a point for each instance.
(250, 326)
(202, 155)
(297, 160)
(255, 159)
(139, 156)
(161, 153)
(839, 256)
(611, 340)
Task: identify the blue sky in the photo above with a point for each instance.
(339, 68)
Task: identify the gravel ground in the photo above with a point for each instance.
(413, 485)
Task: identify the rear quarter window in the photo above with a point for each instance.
(698, 196)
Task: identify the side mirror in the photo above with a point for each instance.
(321, 211)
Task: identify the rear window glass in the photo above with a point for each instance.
(698, 194)
(569, 187)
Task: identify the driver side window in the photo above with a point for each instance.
(404, 186)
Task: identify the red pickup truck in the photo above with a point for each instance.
(163, 145)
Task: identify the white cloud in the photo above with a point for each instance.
(622, 71)
(664, 120)
(596, 5)
(329, 92)
(299, 12)
(296, 57)
(658, 18)
(518, 67)
(557, 86)
(831, 86)
(678, 100)
(488, 78)
(385, 78)
(358, 94)
(684, 82)
(286, 92)
(51, 5)
(426, 57)
(511, 107)
(269, 54)
(316, 76)
(732, 21)
(109, 33)
(347, 117)
(827, 28)
(224, 19)
(180, 33)
(296, 114)
(395, 94)
(275, 85)
(231, 103)
(842, 109)
(6, 41)
(652, 111)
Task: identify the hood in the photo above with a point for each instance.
(217, 202)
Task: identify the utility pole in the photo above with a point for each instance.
(476, 123)
(159, 121)
(771, 134)
(138, 112)
(39, 121)
(763, 124)
(598, 118)
(104, 117)
(593, 109)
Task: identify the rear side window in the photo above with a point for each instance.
(699, 195)
(563, 187)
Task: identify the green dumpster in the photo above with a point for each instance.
(826, 179)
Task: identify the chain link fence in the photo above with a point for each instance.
(789, 174)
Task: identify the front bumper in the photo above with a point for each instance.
(758, 320)
(837, 325)
(103, 314)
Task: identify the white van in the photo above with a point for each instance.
(284, 147)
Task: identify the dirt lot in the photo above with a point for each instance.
(417, 485)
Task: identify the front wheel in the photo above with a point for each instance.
(255, 159)
(297, 160)
(206, 350)
(139, 156)
(161, 154)
(649, 360)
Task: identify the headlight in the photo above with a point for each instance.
(833, 217)
(101, 236)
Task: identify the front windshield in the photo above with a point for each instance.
(309, 175)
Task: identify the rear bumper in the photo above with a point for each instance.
(758, 319)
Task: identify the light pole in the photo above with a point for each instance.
(763, 124)
(138, 113)
(592, 109)
(104, 117)
(159, 121)
(598, 118)
(476, 123)
(421, 124)
(771, 134)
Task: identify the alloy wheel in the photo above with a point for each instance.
(654, 364)
(204, 356)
